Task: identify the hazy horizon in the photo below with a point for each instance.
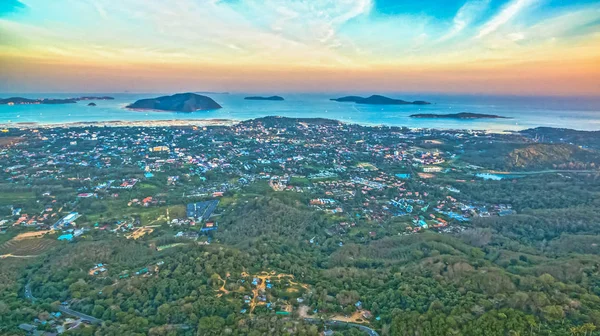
(324, 93)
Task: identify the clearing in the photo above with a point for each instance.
(26, 248)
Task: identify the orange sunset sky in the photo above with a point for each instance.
(529, 47)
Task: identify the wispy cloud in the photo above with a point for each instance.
(508, 13)
(465, 16)
(346, 35)
(100, 9)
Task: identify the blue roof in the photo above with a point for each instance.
(66, 237)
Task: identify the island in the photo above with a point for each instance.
(211, 92)
(181, 102)
(378, 100)
(94, 98)
(91, 104)
(273, 98)
(462, 115)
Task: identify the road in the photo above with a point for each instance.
(65, 310)
(363, 328)
(82, 316)
(549, 171)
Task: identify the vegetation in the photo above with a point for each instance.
(285, 262)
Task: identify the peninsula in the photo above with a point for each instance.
(378, 100)
(462, 115)
(274, 98)
(47, 101)
(27, 101)
(181, 102)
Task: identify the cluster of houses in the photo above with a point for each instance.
(354, 172)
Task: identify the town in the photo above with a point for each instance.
(170, 188)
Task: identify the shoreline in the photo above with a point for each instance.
(202, 123)
(124, 123)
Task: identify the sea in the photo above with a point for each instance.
(581, 113)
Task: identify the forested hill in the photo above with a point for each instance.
(564, 135)
(535, 156)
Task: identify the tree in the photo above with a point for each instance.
(211, 326)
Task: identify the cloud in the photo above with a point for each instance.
(100, 10)
(509, 12)
(465, 16)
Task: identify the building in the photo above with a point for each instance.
(67, 220)
(432, 169)
(159, 149)
(202, 210)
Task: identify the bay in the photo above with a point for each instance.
(582, 113)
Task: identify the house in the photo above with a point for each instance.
(432, 169)
(159, 149)
(27, 327)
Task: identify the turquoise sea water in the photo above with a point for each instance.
(527, 112)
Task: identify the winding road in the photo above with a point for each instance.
(369, 331)
(65, 310)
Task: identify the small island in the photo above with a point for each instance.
(378, 100)
(273, 98)
(91, 104)
(181, 102)
(462, 116)
(94, 98)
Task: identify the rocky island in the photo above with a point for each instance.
(378, 100)
(273, 98)
(462, 115)
(181, 102)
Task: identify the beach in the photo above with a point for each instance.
(121, 123)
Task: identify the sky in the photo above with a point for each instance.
(523, 47)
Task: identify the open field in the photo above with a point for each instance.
(9, 141)
(27, 247)
(30, 235)
(140, 232)
(354, 318)
(10, 198)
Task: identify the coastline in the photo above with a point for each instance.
(123, 123)
(204, 123)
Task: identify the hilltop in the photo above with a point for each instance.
(181, 102)
(511, 156)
